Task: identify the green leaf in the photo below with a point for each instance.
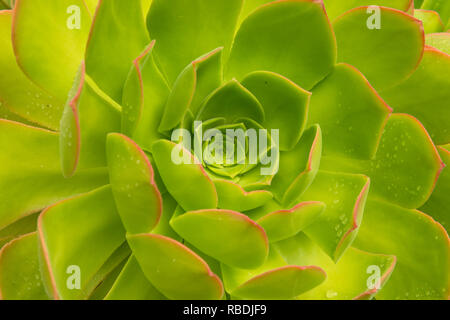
(285, 105)
(345, 197)
(173, 269)
(19, 228)
(117, 37)
(187, 29)
(194, 83)
(132, 284)
(91, 5)
(425, 94)
(337, 7)
(431, 20)
(440, 41)
(7, 114)
(83, 232)
(187, 183)
(17, 92)
(137, 197)
(232, 102)
(170, 208)
(250, 6)
(352, 277)
(264, 43)
(233, 197)
(282, 283)
(51, 52)
(350, 112)
(102, 281)
(88, 117)
(282, 224)
(144, 97)
(105, 286)
(407, 163)
(406, 166)
(254, 180)
(398, 44)
(298, 167)
(275, 280)
(441, 6)
(29, 186)
(20, 277)
(146, 7)
(439, 202)
(420, 244)
(225, 235)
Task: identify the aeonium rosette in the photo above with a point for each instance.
(230, 149)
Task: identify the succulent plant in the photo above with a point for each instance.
(347, 196)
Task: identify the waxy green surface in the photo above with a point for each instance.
(88, 117)
(26, 284)
(65, 232)
(437, 204)
(363, 143)
(347, 279)
(43, 174)
(144, 97)
(131, 284)
(136, 195)
(298, 167)
(173, 269)
(398, 44)
(50, 53)
(285, 105)
(280, 48)
(274, 280)
(17, 92)
(440, 41)
(412, 95)
(431, 20)
(350, 112)
(197, 27)
(180, 178)
(218, 232)
(423, 260)
(110, 34)
(283, 224)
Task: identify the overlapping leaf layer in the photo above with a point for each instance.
(355, 97)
